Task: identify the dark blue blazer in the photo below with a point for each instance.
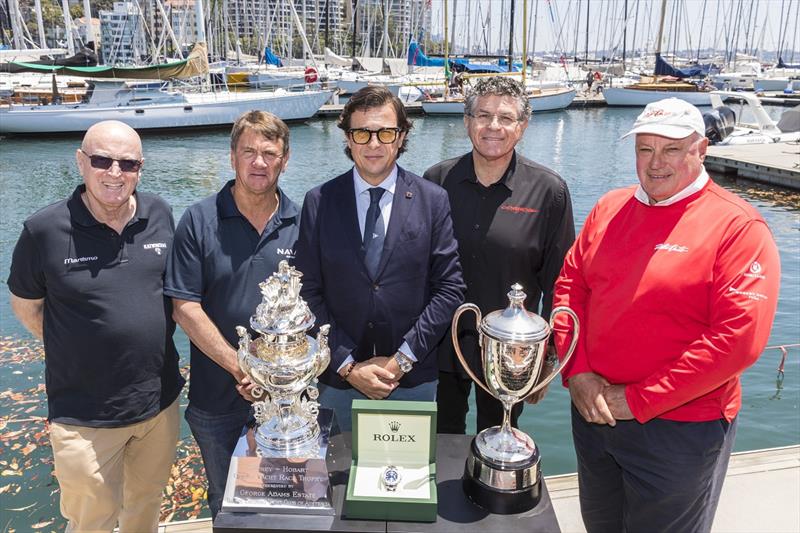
(415, 292)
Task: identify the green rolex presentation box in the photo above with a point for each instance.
(393, 474)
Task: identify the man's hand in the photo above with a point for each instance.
(617, 403)
(373, 379)
(586, 390)
(245, 388)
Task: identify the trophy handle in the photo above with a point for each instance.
(573, 344)
(454, 332)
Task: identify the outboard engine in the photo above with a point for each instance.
(719, 123)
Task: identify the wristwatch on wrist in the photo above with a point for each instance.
(405, 362)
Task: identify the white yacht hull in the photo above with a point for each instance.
(776, 84)
(620, 96)
(547, 101)
(197, 111)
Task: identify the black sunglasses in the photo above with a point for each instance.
(102, 162)
(364, 136)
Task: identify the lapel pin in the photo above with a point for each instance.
(409, 194)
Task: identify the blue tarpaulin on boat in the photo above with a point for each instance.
(418, 58)
(504, 63)
(665, 69)
(478, 68)
(271, 59)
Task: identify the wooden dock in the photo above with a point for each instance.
(760, 493)
(774, 164)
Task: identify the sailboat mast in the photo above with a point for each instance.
(87, 17)
(524, 39)
(586, 53)
(386, 29)
(446, 53)
(40, 23)
(661, 27)
(624, 32)
(511, 39)
(68, 27)
(353, 38)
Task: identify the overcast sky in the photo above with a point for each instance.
(558, 27)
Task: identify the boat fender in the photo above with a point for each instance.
(311, 75)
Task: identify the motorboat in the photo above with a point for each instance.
(725, 125)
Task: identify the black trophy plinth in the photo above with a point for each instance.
(502, 488)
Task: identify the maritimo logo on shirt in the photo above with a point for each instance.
(73, 260)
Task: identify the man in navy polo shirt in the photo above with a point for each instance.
(225, 245)
(87, 278)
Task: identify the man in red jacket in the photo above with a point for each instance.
(675, 282)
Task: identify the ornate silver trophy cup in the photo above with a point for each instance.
(284, 363)
(280, 465)
(502, 472)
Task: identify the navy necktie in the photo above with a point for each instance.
(374, 231)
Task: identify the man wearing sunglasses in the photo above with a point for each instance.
(379, 263)
(87, 278)
(513, 221)
(225, 245)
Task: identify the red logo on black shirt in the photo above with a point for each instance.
(518, 209)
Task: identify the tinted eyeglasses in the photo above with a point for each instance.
(364, 136)
(102, 162)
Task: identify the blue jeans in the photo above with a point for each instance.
(340, 400)
(216, 435)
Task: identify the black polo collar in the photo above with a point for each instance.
(226, 206)
(468, 171)
(81, 215)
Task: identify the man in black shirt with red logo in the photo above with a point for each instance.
(513, 222)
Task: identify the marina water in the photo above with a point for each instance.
(582, 145)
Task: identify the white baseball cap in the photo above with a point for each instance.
(672, 118)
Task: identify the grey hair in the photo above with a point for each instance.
(499, 86)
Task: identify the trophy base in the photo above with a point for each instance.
(502, 488)
(260, 482)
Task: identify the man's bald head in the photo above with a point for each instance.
(113, 133)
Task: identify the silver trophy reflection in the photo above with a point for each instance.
(502, 472)
(284, 363)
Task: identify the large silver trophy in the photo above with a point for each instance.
(284, 364)
(280, 465)
(502, 473)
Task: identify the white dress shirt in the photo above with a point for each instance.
(362, 205)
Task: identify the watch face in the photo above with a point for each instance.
(391, 478)
(405, 364)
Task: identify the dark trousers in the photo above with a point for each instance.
(452, 397)
(654, 477)
(216, 436)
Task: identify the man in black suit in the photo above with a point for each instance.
(379, 263)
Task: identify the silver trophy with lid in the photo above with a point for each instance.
(284, 363)
(502, 472)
